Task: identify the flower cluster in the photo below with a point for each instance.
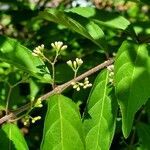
(35, 119)
(38, 103)
(75, 64)
(58, 46)
(78, 85)
(38, 51)
(111, 73)
(26, 119)
(86, 83)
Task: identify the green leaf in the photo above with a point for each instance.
(12, 138)
(34, 89)
(62, 127)
(144, 135)
(77, 23)
(102, 17)
(14, 53)
(100, 119)
(132, 78)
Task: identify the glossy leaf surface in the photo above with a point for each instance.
(62, 127)
(102, 17)
(99, 121)
(12, 138)
(15, 54)
(77, 23)
(132, 78)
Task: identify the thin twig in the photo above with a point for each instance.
(9, 92)
(52, 63)
(8, 98)
(53, 69)
(57, 90)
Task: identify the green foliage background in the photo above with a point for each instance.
(107, 116)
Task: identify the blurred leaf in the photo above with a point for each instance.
(14, 53)
(132, 78)
(144, 135)
(16, 3)
(62, 127)
(12, 138)
(102, 17)
(78, 24)
(100, 119)
(34, 89)
(3, 95)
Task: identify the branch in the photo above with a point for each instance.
(58, 89)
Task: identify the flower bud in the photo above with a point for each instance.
(74, 64)
(69, 63)
(78, 89)
(79, 61)
(64, 47)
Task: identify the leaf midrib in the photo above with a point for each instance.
(9, 138)
(103, 99)
(61, 124)
(133, 72)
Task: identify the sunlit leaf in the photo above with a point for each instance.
(14, 53)
(100, 118)
(132, 78)
(78, 24)
(62, 127)
(102, 17)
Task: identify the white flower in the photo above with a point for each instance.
(78, 85)
(79, 61)
(69, 63)
(81, 84)
(75, 86)
(78, 89)
(64, 47)
(111, 74)
(38, 50)
(58, 45)
(35, 119)
(110, 68)
(38, 103)
(86, 83)
(75, 64)
(34, 54)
